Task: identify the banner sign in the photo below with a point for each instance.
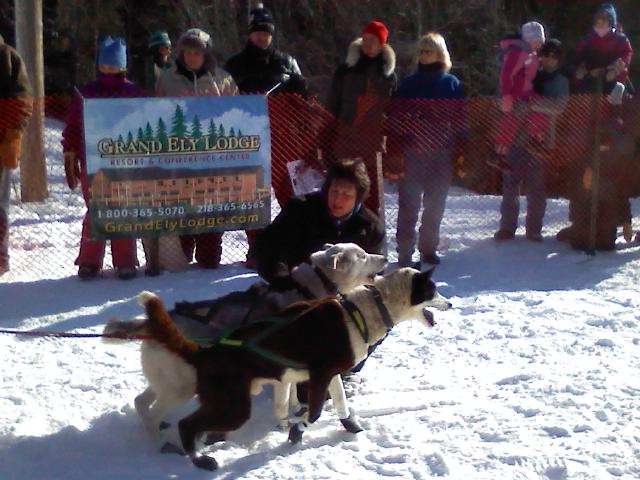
(178, 165)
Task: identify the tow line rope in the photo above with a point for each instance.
(27, 333)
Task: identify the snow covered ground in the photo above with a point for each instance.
(532, 375)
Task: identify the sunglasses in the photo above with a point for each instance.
(426, 51)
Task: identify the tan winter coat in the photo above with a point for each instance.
(172, 83)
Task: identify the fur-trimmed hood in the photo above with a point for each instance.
(388, 56)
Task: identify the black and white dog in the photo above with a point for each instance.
(172, 381)
(315, 341)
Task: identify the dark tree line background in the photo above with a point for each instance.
(316, 32)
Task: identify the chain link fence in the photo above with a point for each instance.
(592, 159)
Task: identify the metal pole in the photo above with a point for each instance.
(33, 172)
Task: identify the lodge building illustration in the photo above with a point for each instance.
(158, 187)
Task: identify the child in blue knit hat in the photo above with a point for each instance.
(113, 53)
(110, 83)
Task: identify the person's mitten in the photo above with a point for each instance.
(11, 149)
(71, 169)
(615, 70)
(587, 178)
(281, 280)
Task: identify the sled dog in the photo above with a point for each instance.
(172, 381)
(315, 341)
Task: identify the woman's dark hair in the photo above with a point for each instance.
(351, 170)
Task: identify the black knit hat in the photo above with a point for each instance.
(552, 47)
(261, 20)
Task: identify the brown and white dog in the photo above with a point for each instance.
(315, 342)
(172, 381)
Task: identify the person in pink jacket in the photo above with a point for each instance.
(519, 68)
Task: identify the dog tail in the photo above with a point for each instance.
(160, 327)
(120, 331)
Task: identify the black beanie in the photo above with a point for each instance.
(261, 20)
(553, 47)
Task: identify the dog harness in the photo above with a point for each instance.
(191, 309)
(252, 343)
(357, 317)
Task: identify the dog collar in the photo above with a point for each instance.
(384, 311)
(328, 284)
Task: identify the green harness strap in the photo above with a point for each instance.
(252, 344)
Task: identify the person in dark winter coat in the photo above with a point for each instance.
(157, 61)
(261, 68)
(15, 111)
(527, 158)
(430, 131)
(110, 83)
(605, 52)
(359, 96)
(334, 215)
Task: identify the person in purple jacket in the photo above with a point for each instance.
(428, 110)
(110, 83)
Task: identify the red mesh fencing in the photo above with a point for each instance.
(419, 153)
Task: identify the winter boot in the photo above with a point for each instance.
(503, 234)
(87, 272)
(432, 258)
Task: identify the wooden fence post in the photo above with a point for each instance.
(33, 172)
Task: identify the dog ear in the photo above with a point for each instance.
(342, 261)
(326, 246)
(422, 288)
(336, 261)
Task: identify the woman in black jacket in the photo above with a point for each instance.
(334, 215)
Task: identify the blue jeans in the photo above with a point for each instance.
(427, 177)
(523, 168)
(5, 192)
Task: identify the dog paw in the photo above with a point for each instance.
(351, 424)
(205, 462)
(295, 433)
